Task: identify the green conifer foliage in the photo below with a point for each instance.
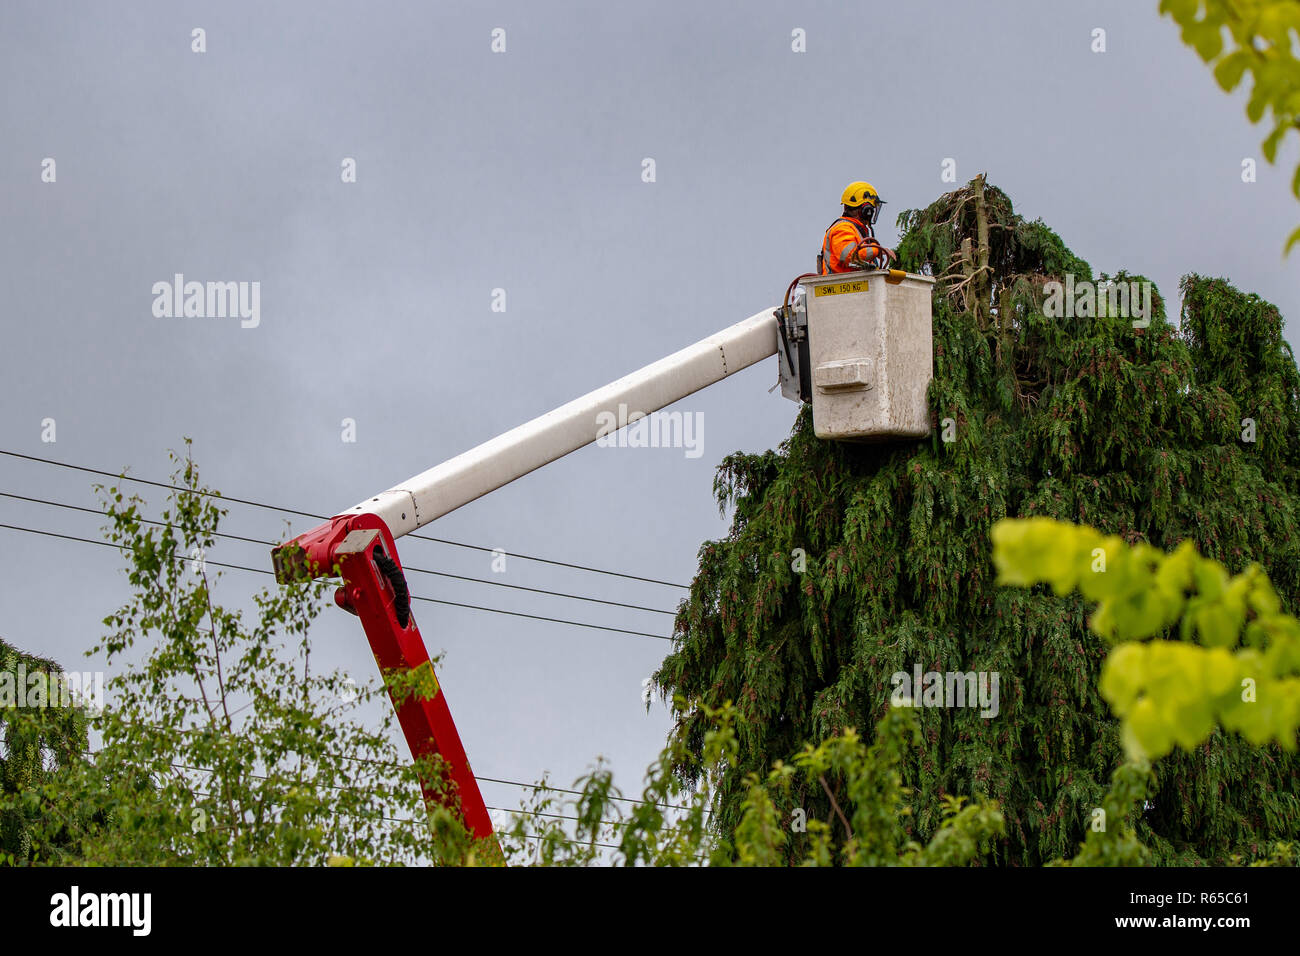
(1137, 431)
(39, 739)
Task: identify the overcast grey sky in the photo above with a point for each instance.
(522, 171)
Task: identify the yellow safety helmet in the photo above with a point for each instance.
(860, 194)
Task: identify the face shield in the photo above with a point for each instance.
(871, 211)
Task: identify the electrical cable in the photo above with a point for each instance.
(405, 567)
(414, 597)
(307, 514)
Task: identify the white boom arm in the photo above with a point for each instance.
(438, 491)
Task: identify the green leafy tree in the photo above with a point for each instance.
(671, 824)
(1261, 41)
(219, 744)
(42, 733)
(1235, 666)
(846, 564)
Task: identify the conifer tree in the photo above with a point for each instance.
(846, 563)
(39, 738)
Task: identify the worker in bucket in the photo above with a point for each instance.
(850, 242)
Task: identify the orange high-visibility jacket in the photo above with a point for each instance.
(843, 239)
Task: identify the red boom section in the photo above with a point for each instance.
(360, 545)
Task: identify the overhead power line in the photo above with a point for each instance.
(414, 597)
(320, 517)
(524, 811)
(337, 786)
(392, 765)
(411, 821)
(405, 567)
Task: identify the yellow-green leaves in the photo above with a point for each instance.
(1229, 70)
(1169, 693)
(1141, 592)
(1292, 239)
(1262, 41)
(1206, 38)
(1036, 550)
